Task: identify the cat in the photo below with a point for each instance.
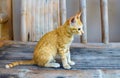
(55, 42)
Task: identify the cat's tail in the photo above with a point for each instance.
(25, 62)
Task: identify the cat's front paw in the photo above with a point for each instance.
(67, 66)
(71, 62)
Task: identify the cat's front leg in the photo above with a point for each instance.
(62, 53)
(69, 57)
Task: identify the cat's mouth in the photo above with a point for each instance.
(80, 32)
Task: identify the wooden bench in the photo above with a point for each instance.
(90, 62)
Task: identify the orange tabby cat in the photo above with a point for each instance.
(55, 42)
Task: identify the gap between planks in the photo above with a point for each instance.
(74, 45)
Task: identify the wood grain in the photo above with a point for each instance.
(84, 20)
(90, 63)
(85, 58)
(23, 21)
(104, 21)
(56, 14)
(63, 11)
(7, 28)
(38, 18)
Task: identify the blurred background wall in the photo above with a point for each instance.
(93, 19)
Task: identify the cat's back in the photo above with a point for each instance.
(49, 36)
(47, 39)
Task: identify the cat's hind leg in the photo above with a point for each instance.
(51, 63)
(55, 65)
(54, 61)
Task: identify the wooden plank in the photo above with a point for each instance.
(3, 20)
(36, 20)
(46, 12)
(16, 7)
(38, 33)
(96, 45)
(6, 28)
(63, 11)
(29, 73)
(58, 3)
(75, 45)
(0, 30)
(30, 19)
(42, 18)
(9, 23)
(50, 17)
(104, 21)
(23, 21)
(85, 58)
(27, 19)
(56, 15)
(3, 43)
(96, 62)
(84, 20)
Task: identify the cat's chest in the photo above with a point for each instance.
(69, 41)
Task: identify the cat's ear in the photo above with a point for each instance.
(78, 15)
(72, 20)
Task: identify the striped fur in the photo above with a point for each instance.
(55, 42)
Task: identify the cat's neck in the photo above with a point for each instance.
(67, 31)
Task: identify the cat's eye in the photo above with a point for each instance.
(79, 28)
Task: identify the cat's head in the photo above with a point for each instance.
(75, 24)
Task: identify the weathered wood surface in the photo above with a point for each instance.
(90, 62)
(85, 58)
(74, 45)
(104, 21)
(38, 17)
(83, 8)
(6, 14)
(63, 11)
(3, 19)
(23, 21)
(26, 73)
